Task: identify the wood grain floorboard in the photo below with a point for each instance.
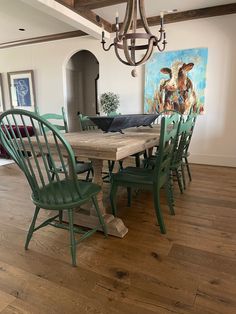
(191, 269)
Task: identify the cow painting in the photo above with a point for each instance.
(176, 80)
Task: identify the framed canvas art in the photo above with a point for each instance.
(21, 88)
(176, 80)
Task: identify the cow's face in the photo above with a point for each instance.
(182, 76)
(169, 84)
(178, 76)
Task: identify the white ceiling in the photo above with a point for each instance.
(15, 14)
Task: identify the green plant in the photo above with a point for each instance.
(109, 102)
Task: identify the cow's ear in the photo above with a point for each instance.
(166, 70)
(187, 67)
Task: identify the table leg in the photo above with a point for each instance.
(88, 218)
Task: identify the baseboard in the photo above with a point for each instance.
(214, 160)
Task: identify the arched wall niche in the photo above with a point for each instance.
(81, 73)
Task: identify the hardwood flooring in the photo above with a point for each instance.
(191, 269)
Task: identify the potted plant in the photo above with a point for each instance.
(109, 103)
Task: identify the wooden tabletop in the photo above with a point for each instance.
(113, 146)
(98, 145)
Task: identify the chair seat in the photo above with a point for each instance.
(133, 175)
(82, 167)
(51, 196)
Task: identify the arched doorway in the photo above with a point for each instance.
(82, 74)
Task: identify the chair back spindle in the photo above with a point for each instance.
(86, 124)
(168, 136)
(37, 169)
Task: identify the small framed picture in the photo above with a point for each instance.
(21, 88)
(2, 107)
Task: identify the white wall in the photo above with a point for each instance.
(213, 140)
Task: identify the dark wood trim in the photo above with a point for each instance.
(96, 94)
(95, 4)
(41, 39)
(191, 15)
(94, 18)
(87, 14)
(70, 3)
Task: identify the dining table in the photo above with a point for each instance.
(98, 146)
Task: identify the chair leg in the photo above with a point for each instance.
(111, 164)
(60, 216)
(160, 220)
(92, 171)
(137, 161)
(179, 179)
(113, 198)
(121, 165)
(129, 192)
(88, 175)
(170, 197)
(31, 228)
(72, 236)
(183, 176)
(100, 217)
(188, 168)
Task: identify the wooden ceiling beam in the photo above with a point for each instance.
(88, 14)
(92, 17)
(70, 3)
(41, 39)
(190, 15)
(95, 4)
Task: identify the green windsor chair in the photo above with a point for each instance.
(60, 122)
(177, 164)
(180, 150)
(65, 192)
(152, 179)
(193, 117)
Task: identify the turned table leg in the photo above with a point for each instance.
(88, 217)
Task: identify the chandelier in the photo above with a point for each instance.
(128, 41)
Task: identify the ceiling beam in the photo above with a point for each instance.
(67, 15)
(70, 3)
(95, 4)
(94, 18)
(89, 15)
(190, 15)
(41, 39)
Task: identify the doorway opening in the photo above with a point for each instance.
(82, 75)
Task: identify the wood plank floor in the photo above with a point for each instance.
(191, 269)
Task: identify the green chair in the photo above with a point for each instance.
(192, 117)
(59, 121)
(180, 151)
(152, 179)
(86, 124)
(65, 192)
(177, 164)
